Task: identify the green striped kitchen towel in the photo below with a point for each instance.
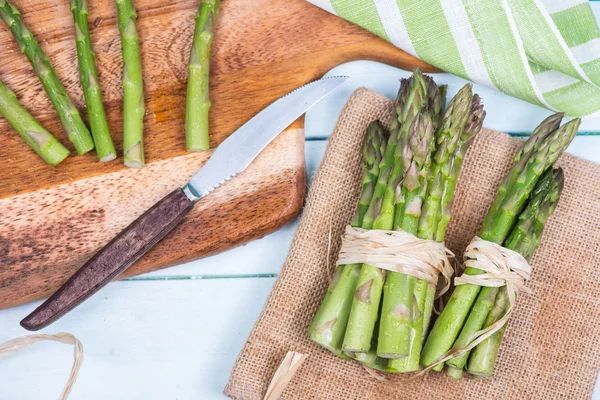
(546, 52)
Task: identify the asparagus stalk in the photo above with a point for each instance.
(449, 177)
(372, 154)
(474, 124)
(198, 101)
(483, 305)
(133, 87)
(525, 238)
(412, 97)
(89, 81)
(540, 152)
(76, 130)
(329, 324)
(400, 302)
(365, 302)
(532, 145)
(461, 122)
(34, 134)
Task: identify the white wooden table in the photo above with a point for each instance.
(175, 334)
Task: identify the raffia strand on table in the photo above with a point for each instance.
(21, 343)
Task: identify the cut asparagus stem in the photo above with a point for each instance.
(525, 238)
(89, 82)
(34, 134)
(76, 130)
(198, 101)
(329, 324)
(479, 312)
(400, 305)
(412, 97)
(454, 373)
(514, 192)
(370, 358)
(365, 302)
(133, 87)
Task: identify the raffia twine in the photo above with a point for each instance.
(21, 343)
(398, 251)
(502, 267)
(284, 374)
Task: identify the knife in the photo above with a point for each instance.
(229, 159)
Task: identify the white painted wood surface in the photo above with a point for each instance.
(174, 334)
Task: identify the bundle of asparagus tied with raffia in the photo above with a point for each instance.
(468, 333)
(380, 317)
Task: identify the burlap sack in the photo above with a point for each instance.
(551, 349)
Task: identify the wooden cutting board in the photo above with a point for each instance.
(53, 219)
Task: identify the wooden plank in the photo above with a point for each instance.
(48, 234)
(256, 60)
(142, 340)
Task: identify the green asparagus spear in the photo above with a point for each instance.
(461, 122)
(89, 81)
(34, 134)
(329, 324)
(400, 306)
(133, 87)
(450, 178)
(448, 140)
(525, 238)
(514, 192)
(474, 124)
(479, 312)
(76, 130)
(198, 101)
(531, 146)
(412, 97)
(372, 154)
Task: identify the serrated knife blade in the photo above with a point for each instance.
(238, 150)
(230, 158)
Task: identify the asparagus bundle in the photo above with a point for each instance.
(329, 324)
(133, 88)
(198, 101)
(34, 134)
(470, 305)
(414, 190)
(77, 132)
(89, 81)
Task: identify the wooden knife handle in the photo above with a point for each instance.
(112, 259)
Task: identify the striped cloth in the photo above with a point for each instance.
(546, 52)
